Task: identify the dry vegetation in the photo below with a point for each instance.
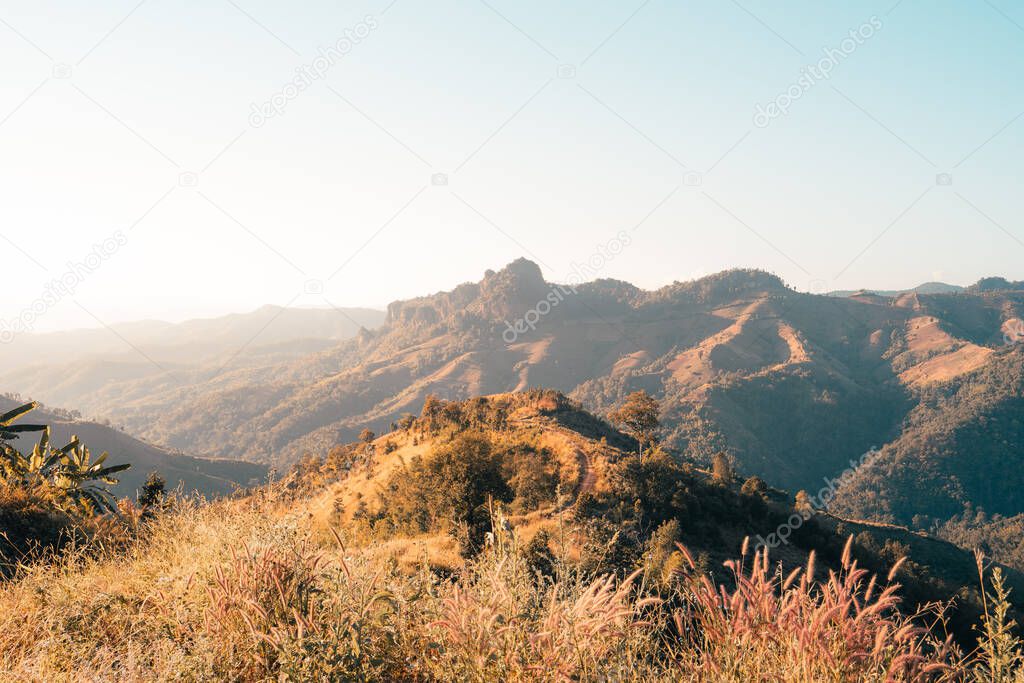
(437, 583)
(247, 590)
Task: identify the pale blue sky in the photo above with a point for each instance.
(840, 192)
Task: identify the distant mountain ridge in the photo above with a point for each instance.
(985, 284)
(792, 385)
(192, 339)
(93, 370)
(926, 288)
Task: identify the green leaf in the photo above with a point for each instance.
(12, 415)
(110, 470)
(17, 429)
(70, 447)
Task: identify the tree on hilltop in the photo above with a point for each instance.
(638, 415)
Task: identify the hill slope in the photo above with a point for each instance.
(959, 449)
(201, 475)
(305, 580)
(562, 473)
(793, 386)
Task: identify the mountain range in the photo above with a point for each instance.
(926, 288)
(792, 386)
(88, 370)
(198, 340)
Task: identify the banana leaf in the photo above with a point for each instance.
(12, 415)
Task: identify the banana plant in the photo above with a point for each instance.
(68, 471)
(9, 431)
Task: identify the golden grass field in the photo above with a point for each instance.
(252, 589)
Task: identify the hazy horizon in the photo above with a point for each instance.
(383, 307)
(166, 146)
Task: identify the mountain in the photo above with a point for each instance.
(959, 449)
(926, 288)
(985, 284)
(995, 284)
(793, 386)
(192, 339)
(194, 475)
(82, 368)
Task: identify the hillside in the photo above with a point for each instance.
(510, 537)
(959, 450)
(411, 496)
(205, 476)
(792, 385)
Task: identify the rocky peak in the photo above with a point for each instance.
(513, 290)
(509, 292)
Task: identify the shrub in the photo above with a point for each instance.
(447, 491)
(28, 525)
(538, 555)
(999, 657)
(662, 560)
(66, 476)
(531, 474)
(153, 493)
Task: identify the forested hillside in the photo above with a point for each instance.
(792, 386)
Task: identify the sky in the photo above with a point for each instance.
(160, 160)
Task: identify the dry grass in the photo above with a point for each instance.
(792, 628)
(249, 591)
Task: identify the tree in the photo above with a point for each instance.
(153, 491)
(366, 436)
(755, 486)
(639, 416)
(431, 408)
(802, 503)
(722, 468)
(448, 491)
(307, 466)
(339, 460)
